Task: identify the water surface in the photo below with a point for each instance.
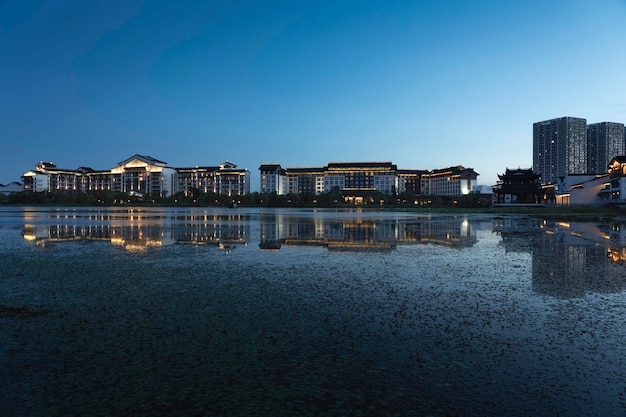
(163, 311)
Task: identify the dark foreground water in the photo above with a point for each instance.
(203, 312)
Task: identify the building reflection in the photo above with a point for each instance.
(363, 234)
(347, 231)
(569, 259)
(137, 237)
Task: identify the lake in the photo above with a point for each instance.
(301, 312)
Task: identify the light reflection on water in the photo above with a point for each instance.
(368, 231)
(284, 312)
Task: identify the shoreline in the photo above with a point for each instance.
(579, 213)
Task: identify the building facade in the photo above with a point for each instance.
(559, 148)
(452, 181)
(596, 189)
(410, 180)
(140, 175)
(305, 180)
(518, 187)
(605, 141)
(357, 179)
(583, 190)
(273, 179)
(617, 177)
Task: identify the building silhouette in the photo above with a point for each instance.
(518, 187)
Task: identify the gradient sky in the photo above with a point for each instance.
(424, 84)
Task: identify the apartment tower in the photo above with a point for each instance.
(605, 141)
(559, 148)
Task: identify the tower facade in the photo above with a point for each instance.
(605, 141)
(559, 148)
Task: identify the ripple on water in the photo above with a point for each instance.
(90, 328)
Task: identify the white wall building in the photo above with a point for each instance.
(583, 189)
(452, 181)
(359, 178)
(140, 175)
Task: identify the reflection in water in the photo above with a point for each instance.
(137, 237)
(137, 229)
(426, 329)
(569, 259)
(350, 233)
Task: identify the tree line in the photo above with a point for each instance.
(196, 197)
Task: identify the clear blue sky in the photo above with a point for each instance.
(424, 84)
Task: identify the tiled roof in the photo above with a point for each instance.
(270, 167)
(146, 158)
(344, 165)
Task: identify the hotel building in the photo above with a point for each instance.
(356, 179)
(139, 175)
(453, 181)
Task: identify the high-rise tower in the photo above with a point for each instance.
(559, 148)
(605, 141)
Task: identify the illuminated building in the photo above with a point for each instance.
(357, 179)
(604, 141)
(47, 177)
(224, 179)
(595, 189)
(305, 180)
(410, 180)
(583, 189)
(139, 175)
(559, 148)
(273, 179)
(617, 177)
(452, 181)
(231, 180)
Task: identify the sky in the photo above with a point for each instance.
(423, 84)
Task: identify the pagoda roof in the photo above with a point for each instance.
(519, 173)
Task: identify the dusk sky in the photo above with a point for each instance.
(423, 84)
